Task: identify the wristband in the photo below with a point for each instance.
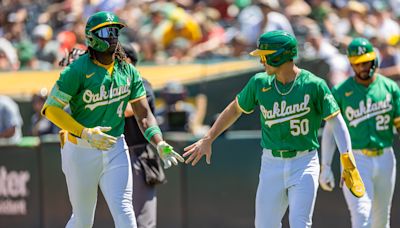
(151, 131)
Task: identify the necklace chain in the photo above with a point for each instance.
(290, 90)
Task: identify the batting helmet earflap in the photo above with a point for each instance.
(277, 47)
(96, 21)
(360, 50)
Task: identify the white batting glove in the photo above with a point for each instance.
(326, 179)
(97, 138)
(168, 155)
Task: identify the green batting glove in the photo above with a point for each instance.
(168, 155)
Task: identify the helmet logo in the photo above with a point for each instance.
(361, 50)
(110, 17)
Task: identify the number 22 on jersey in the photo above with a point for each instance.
(382, 122)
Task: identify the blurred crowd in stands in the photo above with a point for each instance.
(36, 34)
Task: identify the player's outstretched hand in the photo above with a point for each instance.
(97, 138)
(168, 155)
(326, 179)
(197, 150)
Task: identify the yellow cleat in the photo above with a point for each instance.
(351, 176)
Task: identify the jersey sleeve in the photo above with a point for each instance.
(137, 89)
(326, 103)
(69, 80)
(246, 99)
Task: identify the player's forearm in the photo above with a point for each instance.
(224, 121)
(63, 120)
(146, 121)
(328, 145)
(335, 130)
(341, 133)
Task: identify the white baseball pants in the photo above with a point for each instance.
(379, 177)
(287, 182)
(85, 169)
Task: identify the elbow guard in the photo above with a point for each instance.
(56, 98)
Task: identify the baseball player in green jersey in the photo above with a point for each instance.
(98, 86)
(370, 104)
(293, 103)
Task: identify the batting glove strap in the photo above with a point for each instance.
(97, 138)
(351, 176)
(168, 155)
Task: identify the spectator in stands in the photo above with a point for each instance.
(178, 114)
(383, 22)
(10, 120)
(8, 56)
(26, 55)
(47, 50)
(66, 40)
(40, 124)
(178, 51)
(352, 23)
(295, 8)
(389, 58)
(156, 25)
(178, 24)
(320, 11)
(322, 48)
(273, 20)
(213, 34)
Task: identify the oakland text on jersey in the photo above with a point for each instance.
(283, 112)
(102, 98)
(368, 110)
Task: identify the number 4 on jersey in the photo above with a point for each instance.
(120, 110)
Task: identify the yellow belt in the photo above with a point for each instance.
(72, 139)
(372, 152)
(64, 136)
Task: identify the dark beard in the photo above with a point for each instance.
(364, 77)
(111, 50)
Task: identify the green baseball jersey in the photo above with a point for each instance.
(98, 98)
(370, 111)
(291, 121)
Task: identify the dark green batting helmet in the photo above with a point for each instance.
(97, 21)
(276, 47)
(360, 50)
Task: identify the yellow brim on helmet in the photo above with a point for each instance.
(259, 52)
(362, 58)
(107, 24)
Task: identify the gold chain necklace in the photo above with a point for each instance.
(290, 90)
